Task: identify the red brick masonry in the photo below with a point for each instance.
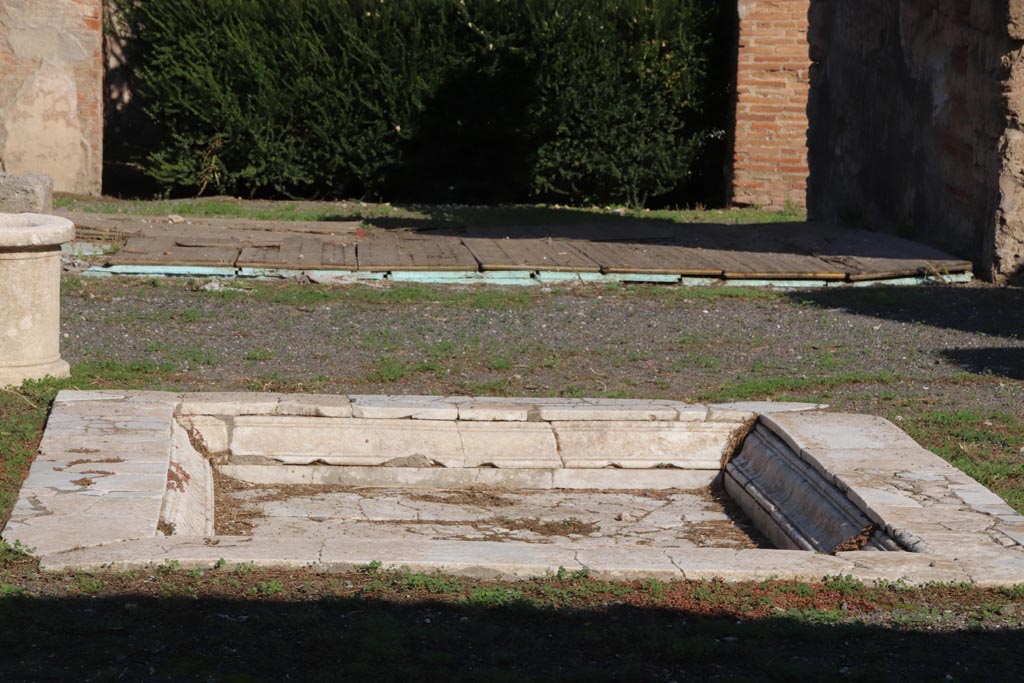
(770, 153)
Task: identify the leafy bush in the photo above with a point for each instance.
(580, 101)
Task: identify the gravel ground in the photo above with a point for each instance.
(944, 347)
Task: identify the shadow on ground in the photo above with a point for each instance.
(804, 238)
(349, 639)
(997, 311)
(994, 311)
(1005, 362)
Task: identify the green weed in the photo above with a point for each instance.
(268, 589)
(438, 584)
(86, 583)
(496, 596)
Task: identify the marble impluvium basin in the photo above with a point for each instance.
(504, 487)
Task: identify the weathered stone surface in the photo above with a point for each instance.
(212, 432)
(229, 403)
(189, 553)
(509, 445)
(398, 407)
(837, 431)
(188, 504)
(912, 568)
(479, 559)
(755, 565)
(341, 441)
(412, 477)
(745, 410)
(592, 410)
(611, 479)
(30, 296)
(315, 405)
(120, 519)
(488, 411)
(51, 91)
(688, 445)
(75, 396)
(614, 563)
(1014, 531)
(25, 193)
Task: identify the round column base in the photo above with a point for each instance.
(16, 374)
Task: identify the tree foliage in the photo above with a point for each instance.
(581, 101)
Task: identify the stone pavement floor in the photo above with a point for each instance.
(583, 519)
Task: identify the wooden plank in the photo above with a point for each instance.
(530, 254)
(145, 245)
(653, 259)
(499, 232)
(436, 252)
(378, 253)
(260, 257)
(759, 266)
(339, 256)
(863, 268)
(300, 251)
(157, 251)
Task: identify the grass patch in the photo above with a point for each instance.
(988, 446)
(417, 214)
(499, 363)
(388, 296)
(675, 293)
(778, 387)
(123, 375)
(388, 369)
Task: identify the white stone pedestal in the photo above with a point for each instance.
(30, 296)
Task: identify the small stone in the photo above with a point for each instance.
(1009, 610)
(175, 219)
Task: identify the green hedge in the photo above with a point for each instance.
(581, 101)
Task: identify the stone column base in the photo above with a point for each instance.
(15, 375)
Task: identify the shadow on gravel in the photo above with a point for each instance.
(347, 639)
(997, 311)
(1004, 362)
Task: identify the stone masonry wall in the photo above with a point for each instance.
(770, 144)
(915, 111)
(51, 75)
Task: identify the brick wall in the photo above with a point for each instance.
(916, 109)
(51, 90)
(770, 142)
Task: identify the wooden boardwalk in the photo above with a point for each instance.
(770, 251)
